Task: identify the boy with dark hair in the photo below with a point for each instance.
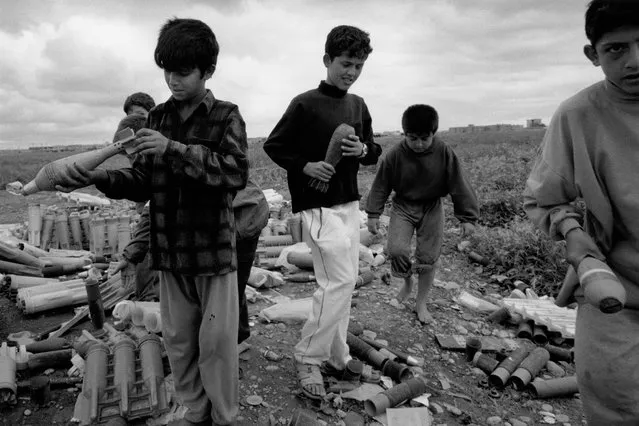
(138, 103)
(421, 170)
(192, 160)
(299, 143)
(590, 153)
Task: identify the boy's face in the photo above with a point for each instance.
(617, 52)
(187, 84)
(419, 142)
(343, 70)
(137, 109)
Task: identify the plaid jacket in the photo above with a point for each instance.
(191, 187)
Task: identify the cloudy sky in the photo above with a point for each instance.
(66, 66)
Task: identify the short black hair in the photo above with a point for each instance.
(185, 44)
(420, 119)
(140, 99)
(345, 38)
(603, 16)
(134, 121)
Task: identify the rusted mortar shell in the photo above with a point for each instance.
(21, 281)
(50, 359)
(539, 335)
(152, 369)
(485, 363)
(95, 372)
(8, 368)
(49, 176)
(295, 228)
(601, 286)
(559, 354)
(35, 223)
(301, 260)
(40, 387)
(94, 298)
(529, 368)
(499, 316)
(473, 345)
(394, 396)
(396, 371)
(499, 377)
(76, 230)
(276, 240)
(386, 353)
(564, 386)
(47, 230)
(85, 221)
(47, 345)
(366, 277)
(62, 231)
(271, 251)
(365, 352)
(555, 337)
(525, 330)
(124, 371)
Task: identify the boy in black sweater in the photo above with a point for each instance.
(421, 170)
(299, 144)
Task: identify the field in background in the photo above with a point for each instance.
(496, 163)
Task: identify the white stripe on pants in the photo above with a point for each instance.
(333, 236)
(199, 326)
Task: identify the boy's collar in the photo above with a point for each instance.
(619, 95)
(208, 100)
(331, 90)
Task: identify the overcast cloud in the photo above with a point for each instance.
(66, 66)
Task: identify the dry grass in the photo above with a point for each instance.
(496, 163)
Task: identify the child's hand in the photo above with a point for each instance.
(320, 170)
(467, 229)
(122, 264)
(74, 176)
(150, 142)
(373, 225)
(352, 147)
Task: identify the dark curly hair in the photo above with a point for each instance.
(140, 99)
(185, 44)
(603, 16)
(351, 40)
(420, 119)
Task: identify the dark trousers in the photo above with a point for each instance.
(147, 279)
(245, 256)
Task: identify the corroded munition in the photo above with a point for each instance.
(333, 153)
(49, 176)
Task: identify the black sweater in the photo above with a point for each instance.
(420, 179)
(302, 135)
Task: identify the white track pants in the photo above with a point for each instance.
(333, 236)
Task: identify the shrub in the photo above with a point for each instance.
(521, 251)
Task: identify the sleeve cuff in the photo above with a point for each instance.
(175, 149)
(373, 215)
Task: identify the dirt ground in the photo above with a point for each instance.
(463, 403)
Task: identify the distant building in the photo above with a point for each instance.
(471, 128)
(534, 123)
